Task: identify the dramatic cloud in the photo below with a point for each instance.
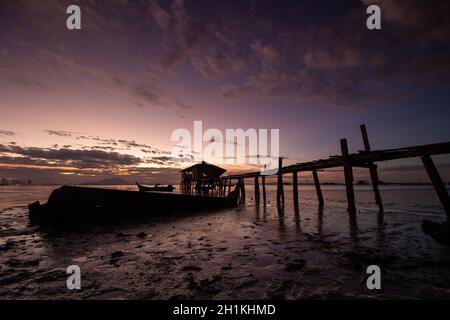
(417, 18)
(149, 92)
(103, 143)
(100, 18)
(26, 82)
(160, 16)
(60, 133)
(53, 175)
(200, 42)
(147, 67)
(344, 64)
(335, 63)
(163, 160)
(79, 159)
(7, 133)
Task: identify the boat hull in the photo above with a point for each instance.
(74, 205)
(168, 188)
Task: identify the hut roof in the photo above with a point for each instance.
(206, 167)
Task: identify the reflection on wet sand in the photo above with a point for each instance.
(320, 220)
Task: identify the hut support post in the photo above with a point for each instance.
(348, 173)
(318, 189)
(264, 188)
(257, 188)
(438, 185)
(373, 170)
(280, 189)
(295, 187)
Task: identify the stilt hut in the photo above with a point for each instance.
(203, 178)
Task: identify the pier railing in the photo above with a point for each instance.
(363, 159)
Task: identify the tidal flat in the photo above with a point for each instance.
(254, 251)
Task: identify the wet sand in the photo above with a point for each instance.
(252, 252)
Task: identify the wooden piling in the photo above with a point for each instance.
(264, 188)
(318, 189)
(438, 185)
(280, 188)
(373, 170)
(257, 189)
(242, 187)
(224, 188)
(348, 173)
(295, 187)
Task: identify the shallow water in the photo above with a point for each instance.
(254, 251)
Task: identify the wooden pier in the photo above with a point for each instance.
(366, 158)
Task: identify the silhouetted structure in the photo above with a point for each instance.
(72, 205)
(363, 159)
(202, 178)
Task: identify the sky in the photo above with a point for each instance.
(83, 105)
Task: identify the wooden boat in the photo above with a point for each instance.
(75, 205)
(156, 187)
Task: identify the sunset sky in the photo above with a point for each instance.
(103, 101)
